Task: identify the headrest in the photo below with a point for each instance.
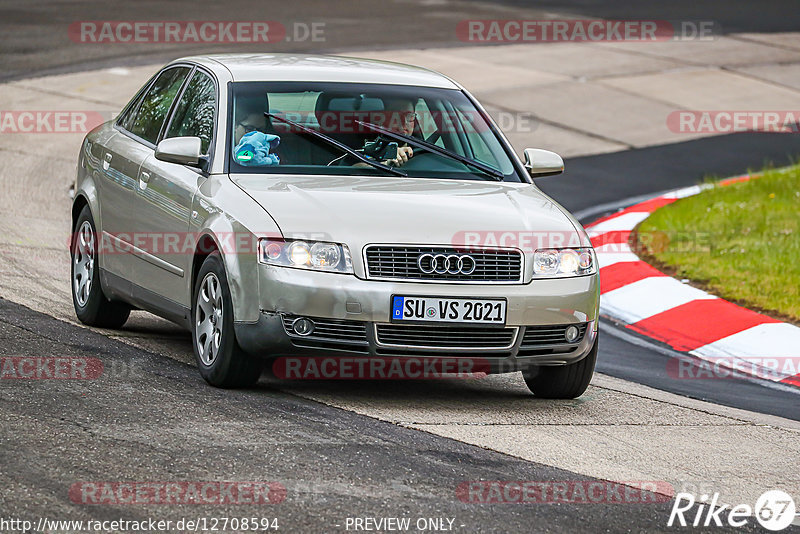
(247, 104)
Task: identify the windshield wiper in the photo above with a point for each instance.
(339, 145)
(486, 169)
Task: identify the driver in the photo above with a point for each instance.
(399, 117)
(402, 119)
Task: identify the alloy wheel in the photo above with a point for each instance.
(83, 257)
(209, 319)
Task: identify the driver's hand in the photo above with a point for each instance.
(404, 153)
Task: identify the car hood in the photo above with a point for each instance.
(363, 210)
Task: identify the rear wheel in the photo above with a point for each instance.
(221, 361)
(561, 381)
(91, 305)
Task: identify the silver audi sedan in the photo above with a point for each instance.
(292, 206)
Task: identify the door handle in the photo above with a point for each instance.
(145, 177)
(108, 157)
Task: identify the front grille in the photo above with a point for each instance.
(444, 336)
(550, 336)
(330, 330)
(391, 261)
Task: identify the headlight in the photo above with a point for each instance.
(331, 257)
(564, 262)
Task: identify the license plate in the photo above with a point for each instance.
(444, 310)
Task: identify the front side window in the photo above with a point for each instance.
(194, 115)
(347, 113)
(148, 118)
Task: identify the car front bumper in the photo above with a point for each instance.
(348, 303)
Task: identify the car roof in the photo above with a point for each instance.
(319, 68)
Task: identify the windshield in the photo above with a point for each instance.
(445, 118)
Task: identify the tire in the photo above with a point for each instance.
(92, 306)
(561, 381)
(222, 363)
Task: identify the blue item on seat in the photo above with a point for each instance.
(254, 149)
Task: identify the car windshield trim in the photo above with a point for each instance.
(486, 169)
(338, 145)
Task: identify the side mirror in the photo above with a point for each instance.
(543, 162)
(181, 150)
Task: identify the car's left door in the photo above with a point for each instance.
(163, 202)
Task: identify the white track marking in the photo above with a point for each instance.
(614, 253)
(626, 221)
(647, 297)
(771, 348)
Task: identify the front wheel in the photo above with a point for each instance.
(221, 361)
(561, 381)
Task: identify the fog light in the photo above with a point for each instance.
(303, 326)
(571, 334)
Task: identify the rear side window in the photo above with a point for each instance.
(126, 117)
(195, 112)
(148, 118)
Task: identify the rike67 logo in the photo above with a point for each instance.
(774, 510)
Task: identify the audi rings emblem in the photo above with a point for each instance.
(446, 264)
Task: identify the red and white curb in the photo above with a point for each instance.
(731, 341)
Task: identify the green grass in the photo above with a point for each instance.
(740, 241)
